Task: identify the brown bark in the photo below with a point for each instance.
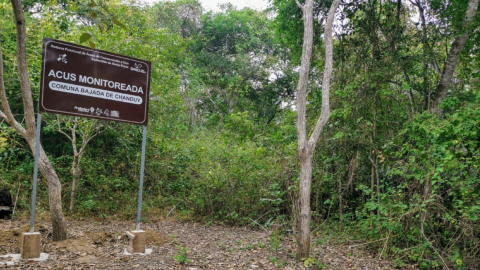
(340, 199)
(76, 172)
(306, 147)
(59, 225)
(372, 180)
(452, 59)
(189, 103)
(305, 216)
(426, 54)
(29, 131)
(429, 55)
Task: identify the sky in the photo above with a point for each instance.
(212, 4)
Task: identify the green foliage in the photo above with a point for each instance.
(218, 178)
(275, 240)
(430, 202)
(289, 26)
(240, 65)
(311, 261)
(85, 37)
(181, 256)
(181, 17)
(221, 143)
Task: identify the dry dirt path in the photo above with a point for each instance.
(175, 245)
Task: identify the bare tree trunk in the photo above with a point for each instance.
(457, 47)
(306, 147)
(374, 154)
(305, 216)
(189, 104)
(340, 200)
(54, 195)
(76, 172)
(372, 180)
(29, 131)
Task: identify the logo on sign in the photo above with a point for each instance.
(115, 114)
(62, 58)
(81, 109)
(137, 68)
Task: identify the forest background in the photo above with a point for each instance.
(389, 170)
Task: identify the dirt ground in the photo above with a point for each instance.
(177, 245)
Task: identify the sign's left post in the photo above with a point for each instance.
(31, 240)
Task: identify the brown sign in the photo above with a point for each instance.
(79, 81)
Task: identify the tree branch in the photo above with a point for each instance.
(300, 6)
(21, 56)
(74, 136)
(327, 75)
(3, 116)
(457, 47)
(87, 139)
(307, 48)
(410, 93)
(60, 129)
(6, 114)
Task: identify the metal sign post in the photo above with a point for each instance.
(30, 241)
(35, 171)
(142, 169)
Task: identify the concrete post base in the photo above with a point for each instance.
(30, 245)
(138, 241)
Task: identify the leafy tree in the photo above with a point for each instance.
(457, 47)
(387, 73)
(181, 17)
(235, 54)
(28, 132)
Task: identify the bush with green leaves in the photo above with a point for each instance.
(430, 209)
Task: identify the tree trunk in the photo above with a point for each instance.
(340, 199)
(29, 132)
(189, 105)
(374, 154)
(54, 189)
(457, 47)
(306, 147)
(305, 216)
(88, 134)
(76, 172)
(372, 181)
(59, 225)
